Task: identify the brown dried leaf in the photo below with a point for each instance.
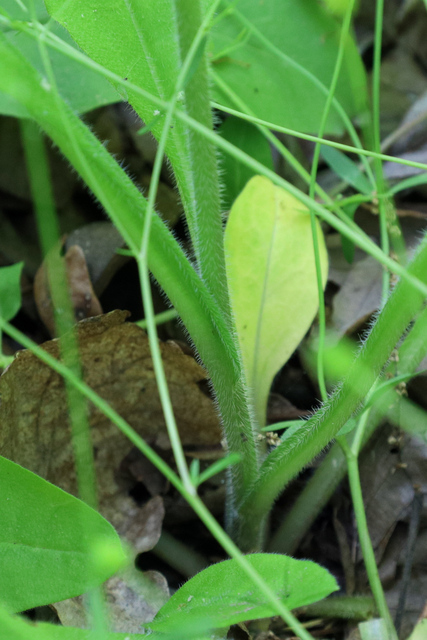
(141, 526)
(359, 296)
(387, 486)
(117, 364)
(280, 409)
(133, 599)
(99, 242)
(83, 298)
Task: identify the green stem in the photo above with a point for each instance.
(346, 607)
(201, 224)
(355, 149)
(179, 556)
(381, 186)
(329, 474)
(48, 228)
(159, 318)
(298, 450)
(204, 218)
(365, 540)
(345, 28)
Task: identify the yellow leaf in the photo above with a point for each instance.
(272, 280)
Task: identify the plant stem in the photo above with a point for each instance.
(203, 217)
(364, 538)
(332, 470)
(243, 474)
(381, 186)
(48, 229)
(347, 607)
(345, 28)
(182, 558)
(159, 318)
(295, 452)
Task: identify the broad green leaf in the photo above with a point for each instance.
(10, 290)
(249, 139)
(83, 88)
(52, 545)
(258, 72)
(144, 42)
(272, 280)
(222, 594)
(262, 72)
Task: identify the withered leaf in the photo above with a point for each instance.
(133, 598)
(117, 364)
(83, 298)
(359, 296)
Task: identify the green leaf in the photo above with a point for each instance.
(263, 73)
(17, 628)
(52, 545)
(146, 46)
(249, 139)
(141, 47)
(10, 290)
(223, 594)
(82, 88)
(272, 280)
(346, 169)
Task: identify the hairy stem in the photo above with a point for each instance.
(290, 457)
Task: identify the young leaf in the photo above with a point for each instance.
(222, 594)
(52, 545)
(272, 280)
(10, 290)
(346, 169)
